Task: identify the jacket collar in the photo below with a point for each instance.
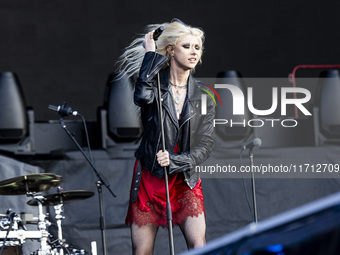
(194, 94)
(193, 86)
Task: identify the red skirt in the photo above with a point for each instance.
(150, 206)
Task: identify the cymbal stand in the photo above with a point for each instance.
(59, 209)
(45, 249)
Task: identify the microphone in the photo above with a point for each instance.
(255, 143)
(63, 110)
(156, 34)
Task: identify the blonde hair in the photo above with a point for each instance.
(131, 59)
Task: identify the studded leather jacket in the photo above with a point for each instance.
(192, 133)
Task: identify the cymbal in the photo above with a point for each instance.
(29, 183)
(63, 197)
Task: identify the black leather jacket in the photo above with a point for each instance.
(192, 133)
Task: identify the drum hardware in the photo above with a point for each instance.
(28, 219)
(5, 222)
(67, 249)
(59, 217)
(30, 185)
(14, 226)
(59, 209)
(12, 237)
(45, 249)
(57, 200)
(11, 220)
(10, 217)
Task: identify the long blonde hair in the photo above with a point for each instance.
(131, 59)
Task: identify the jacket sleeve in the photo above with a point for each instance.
(201, 149)
(144, 86)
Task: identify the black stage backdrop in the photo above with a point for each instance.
(64, 51)
(226, 203)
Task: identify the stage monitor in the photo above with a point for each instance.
(13, 114)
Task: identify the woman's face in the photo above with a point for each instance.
(187, 52)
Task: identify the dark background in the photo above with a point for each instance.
(65, 50)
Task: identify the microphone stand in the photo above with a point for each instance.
(168, 204)
(251, 156)
(99, 183)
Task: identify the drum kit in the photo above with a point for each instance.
(13, 232)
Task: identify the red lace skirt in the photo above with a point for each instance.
(150, 206)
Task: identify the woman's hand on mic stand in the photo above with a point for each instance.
(163, 158)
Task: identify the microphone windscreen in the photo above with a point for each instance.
(257, 142)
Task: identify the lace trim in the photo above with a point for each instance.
(155, 213)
